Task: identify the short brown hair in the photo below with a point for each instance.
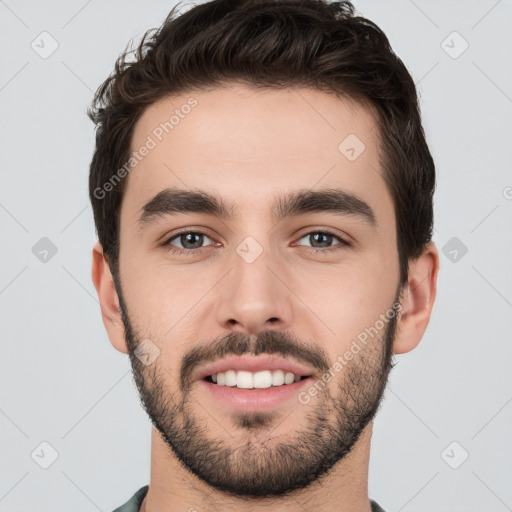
(270, 44)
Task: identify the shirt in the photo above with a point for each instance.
(134, 503)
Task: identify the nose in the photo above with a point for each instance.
(254, 296)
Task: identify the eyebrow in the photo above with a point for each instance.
(172, 201)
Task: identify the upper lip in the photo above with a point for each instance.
(253, 364)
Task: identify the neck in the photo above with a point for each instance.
(343, 489)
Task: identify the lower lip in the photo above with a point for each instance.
(252, 400)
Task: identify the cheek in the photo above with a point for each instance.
(346, 301)
(162, 297)
(147, 290)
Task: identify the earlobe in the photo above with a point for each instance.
(417, 300)
(108, 298)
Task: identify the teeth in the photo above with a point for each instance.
(230, 378)
(288, 378)
(243, 379)
(260, 380)
(278, 378)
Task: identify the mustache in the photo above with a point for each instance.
(269, 342)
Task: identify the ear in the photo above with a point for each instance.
(417, 300)
(109, 301)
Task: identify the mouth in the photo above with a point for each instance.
(257, 380)
(250, 384)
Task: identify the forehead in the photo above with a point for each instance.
(246, 144)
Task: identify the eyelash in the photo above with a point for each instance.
(191, 252)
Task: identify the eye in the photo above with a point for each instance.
(190, 242)
(324, 238)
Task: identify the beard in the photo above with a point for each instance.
(255, 467)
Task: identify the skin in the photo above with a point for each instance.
(248, 145)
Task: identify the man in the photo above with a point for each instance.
(262, 192)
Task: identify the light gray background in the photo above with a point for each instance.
(64, 384)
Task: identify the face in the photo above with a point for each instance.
(258, 228)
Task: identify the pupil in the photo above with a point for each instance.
(189, 235)
(316, 235)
